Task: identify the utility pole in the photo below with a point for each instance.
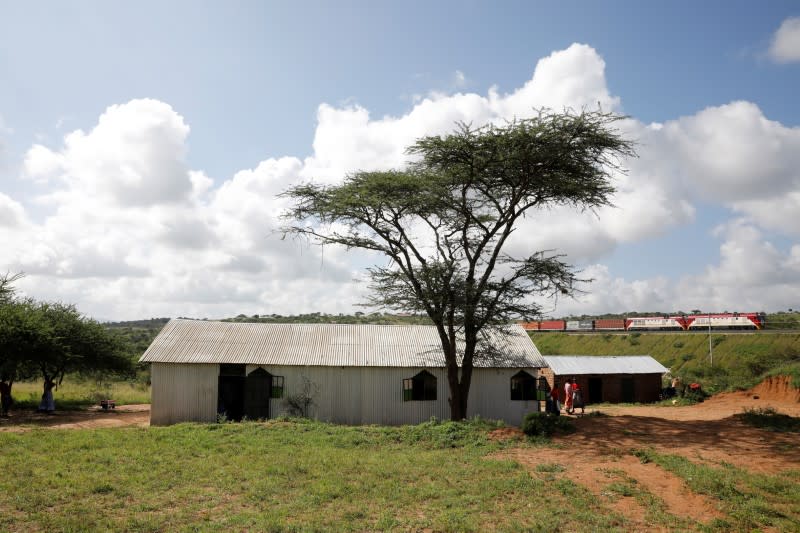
(710, 347)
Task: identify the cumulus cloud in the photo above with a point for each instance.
(12, 214)
(133, 156)
(752, 272)
(785, 47)
(734, 153)
(752, 275)
(130, 230)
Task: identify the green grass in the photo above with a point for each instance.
(740, 360)
(752, 501)
(75, 393)
(285, 475)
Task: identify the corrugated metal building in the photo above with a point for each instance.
(616, 378)
(355, 374)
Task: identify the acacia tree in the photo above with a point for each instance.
(443, 222)
(53, 339)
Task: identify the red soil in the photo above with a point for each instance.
(600, 451)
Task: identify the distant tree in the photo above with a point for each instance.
(53, 339)
(74, 343)
(7, 289)
(21, 332)
(443, 222)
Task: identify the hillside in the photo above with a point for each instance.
(740, 360)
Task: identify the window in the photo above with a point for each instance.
(523, 386)
(277, 387)
(420, 388)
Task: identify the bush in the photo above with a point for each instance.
(544, 424)
(770, 419)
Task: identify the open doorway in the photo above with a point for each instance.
(595, 390)
(230, 396)
(628, 390)
(244, 395)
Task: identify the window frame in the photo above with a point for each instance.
(422, 387)
(276, 390)
(524, 387)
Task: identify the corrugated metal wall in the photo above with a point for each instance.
(183, 393)
(344, 395)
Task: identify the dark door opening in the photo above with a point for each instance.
(628, 395)
(230, 398)
(595, 390)
(258, 387)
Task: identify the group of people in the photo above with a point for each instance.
(573, 398)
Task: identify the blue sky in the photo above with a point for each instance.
(234, 85)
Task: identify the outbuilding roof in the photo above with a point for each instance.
(205, 341)
(604, 364)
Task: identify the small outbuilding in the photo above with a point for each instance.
(614, 379)
(344, 373)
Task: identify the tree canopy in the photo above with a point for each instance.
(444, 220)
(54, 339)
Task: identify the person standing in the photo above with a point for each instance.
(577, 396)
(554, 398)
(5, 395)
(568, 397)
(48, 404)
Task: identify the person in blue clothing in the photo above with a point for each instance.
(48, 404)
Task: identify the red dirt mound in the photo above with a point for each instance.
(776, 388)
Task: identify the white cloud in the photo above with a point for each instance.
(734, 153)
(459, 79)
(133, 156)
(12, 214)
(785, 46)
(130, 231)
(752, 275)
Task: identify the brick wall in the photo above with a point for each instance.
(642, 388)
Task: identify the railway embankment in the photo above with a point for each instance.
(735, 361)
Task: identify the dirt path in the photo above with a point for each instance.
(599, 453)
(124, 415)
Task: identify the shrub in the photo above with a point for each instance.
(770, 419)
(544, 424)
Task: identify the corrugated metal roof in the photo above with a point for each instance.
(604, 364)
(202, 341)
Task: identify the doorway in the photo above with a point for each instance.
(595, 390)
(258, 386)
(230, 396)
(241, 395)
(628, 390)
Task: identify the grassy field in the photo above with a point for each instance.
(75, 393)
(750, 501)
(280, 476)
(740, 361)
(290, 475)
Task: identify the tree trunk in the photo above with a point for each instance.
(458, 402)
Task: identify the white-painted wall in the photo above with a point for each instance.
(344, 395)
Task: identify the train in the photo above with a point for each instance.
(701, 322)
